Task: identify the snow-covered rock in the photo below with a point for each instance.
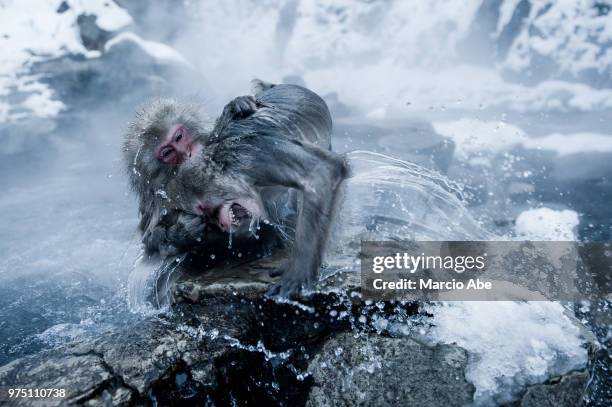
(535, 40)
(511, 344)
(564, 39)
(34, 35)
(63, 57)
(159, 51)
(33, 32)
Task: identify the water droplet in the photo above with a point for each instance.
(214, 333)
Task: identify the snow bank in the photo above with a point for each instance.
(474, 137)
(515, 344)
(157, 50)
(402, 55)
(386, 59)
(511, 344)
(111, 17)
(35, 31)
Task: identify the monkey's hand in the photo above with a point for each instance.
(292, 283)
(239, 108)
(188, 230)
(169, 239)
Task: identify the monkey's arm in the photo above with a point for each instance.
(317, 173)
(238, 108)
(174, 233)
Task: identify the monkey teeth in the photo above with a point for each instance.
(237, 213)
(235, 221)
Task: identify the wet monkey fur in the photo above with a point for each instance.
(163, 137)
(267, 160)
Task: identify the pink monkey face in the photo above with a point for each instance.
(176, 147)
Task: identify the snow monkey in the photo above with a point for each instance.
(268, 159)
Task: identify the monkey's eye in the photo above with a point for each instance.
(179, 136)
(166, 152)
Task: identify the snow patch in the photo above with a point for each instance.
(157, 50)
(473, 136)
(43, 104)
(547, 224)
(110, 16)
(567, 144)
(511, 344)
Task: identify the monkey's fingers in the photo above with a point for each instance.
(244, 106)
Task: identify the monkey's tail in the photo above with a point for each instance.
(258, 86)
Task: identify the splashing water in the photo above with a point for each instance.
(390, 199)
(384, 199)
(150, 281)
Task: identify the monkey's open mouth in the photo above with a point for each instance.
(232, 215)
(239, 213)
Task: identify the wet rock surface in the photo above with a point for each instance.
(224, 343)
(561, 391)
(382, 371)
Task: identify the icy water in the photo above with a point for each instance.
(68, 238)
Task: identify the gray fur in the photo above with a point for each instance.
(262, 150)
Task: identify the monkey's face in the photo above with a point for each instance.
(164, 136)
(176, 145)
(228, 203)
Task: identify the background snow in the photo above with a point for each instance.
(574, 34)
(394, 52)
(547, 224)
(36, 31)
(161, 52)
